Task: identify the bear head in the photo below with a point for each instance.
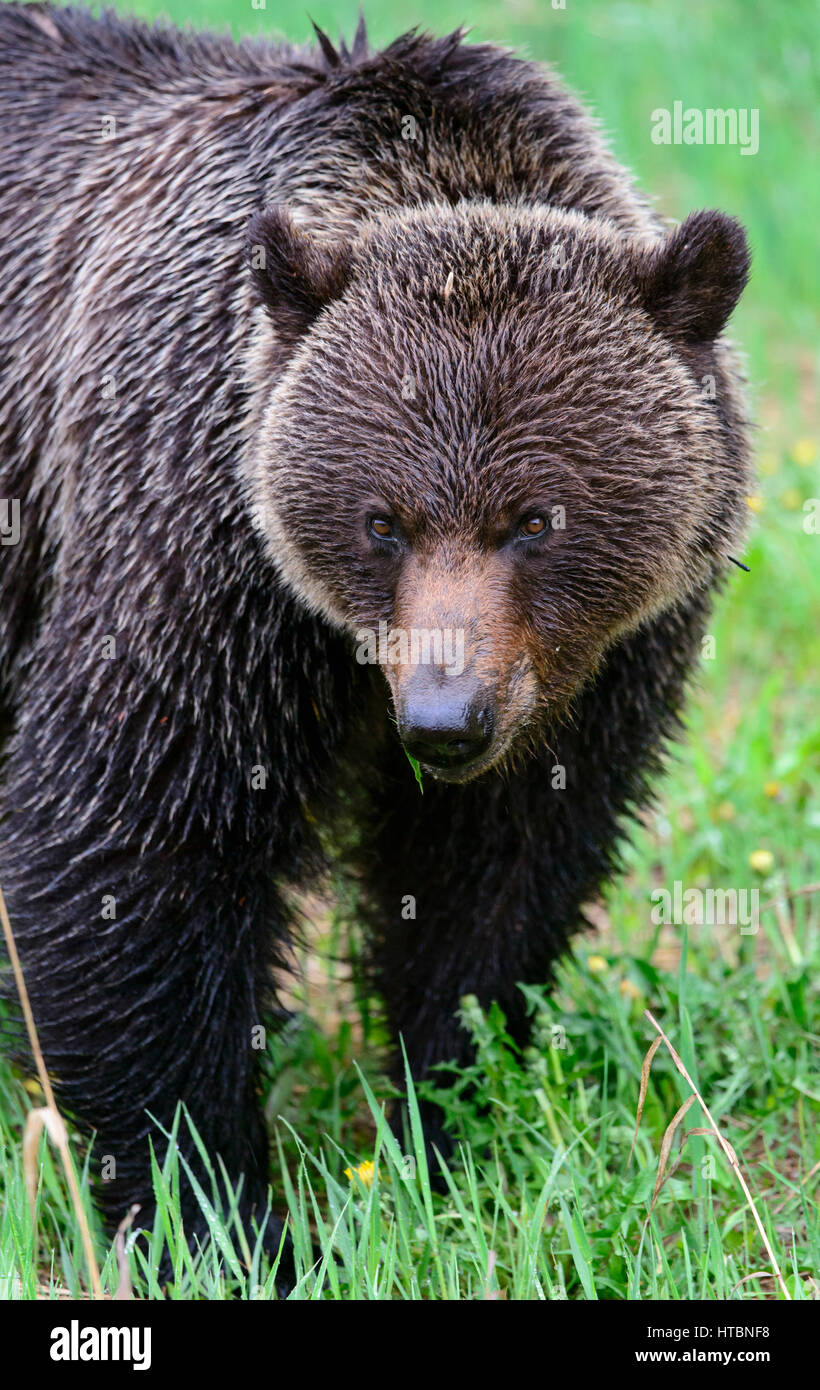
(493, 441)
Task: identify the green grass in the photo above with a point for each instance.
(539, 1201)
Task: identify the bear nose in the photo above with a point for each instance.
(444, 729)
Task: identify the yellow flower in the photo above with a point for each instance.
(597, 964)
(791, 499)
(771, 789)
(726, 811)
(364, 1172)
(755, 504)
(629, 989)
(762, 861)
(804, 451)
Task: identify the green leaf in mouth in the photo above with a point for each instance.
(416, 769)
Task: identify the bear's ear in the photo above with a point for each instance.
(295, 276)
(691, 282)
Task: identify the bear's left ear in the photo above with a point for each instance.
(295, 275)
(691, 282)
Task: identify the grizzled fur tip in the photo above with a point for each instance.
(691, 284)
(336, 57)
(447, 462)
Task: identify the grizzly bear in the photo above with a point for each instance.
(356, 413)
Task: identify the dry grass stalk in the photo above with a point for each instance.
(47, 1117)
(124, 1287)
(713, 1129)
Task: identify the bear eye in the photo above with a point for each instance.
(382, 528)
(532, 526)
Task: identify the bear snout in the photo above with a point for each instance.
(448, 726)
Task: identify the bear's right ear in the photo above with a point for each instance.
(295, 276)
(692, 281)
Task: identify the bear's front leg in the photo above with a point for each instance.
(469, 890)
(145, 954)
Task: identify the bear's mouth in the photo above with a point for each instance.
(459, 770)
